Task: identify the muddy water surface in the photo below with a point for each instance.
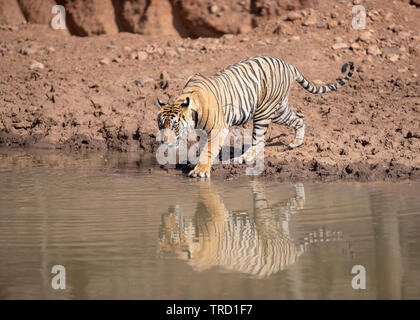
(125, 231)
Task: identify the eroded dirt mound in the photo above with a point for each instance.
(194, 18)
(61, 91)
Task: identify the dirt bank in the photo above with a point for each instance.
(67, 92)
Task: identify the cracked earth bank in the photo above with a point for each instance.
(61, 91)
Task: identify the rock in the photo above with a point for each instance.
(317, 82)
(36, 65)
(355, 46)
(310, 21)
(50, 49)
(394, 58)
(283, 28)
(293, 15)
(365, 36)
(105, 61)
(332, 24)
(117, 60)
(340, 45)
(373, 50)
(214, 9)
(357, 2)
(126, 48)
(141, 55)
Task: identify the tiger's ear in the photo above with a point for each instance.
(159, 103)
(185, 103)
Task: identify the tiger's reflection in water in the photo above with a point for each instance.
(258, 244)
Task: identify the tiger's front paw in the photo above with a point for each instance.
(200, 170)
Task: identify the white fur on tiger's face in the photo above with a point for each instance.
(174, 120)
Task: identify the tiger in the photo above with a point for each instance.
(255, 89)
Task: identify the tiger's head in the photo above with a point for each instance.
(175, 119)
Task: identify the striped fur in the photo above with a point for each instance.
(254, 89)
(258, 243)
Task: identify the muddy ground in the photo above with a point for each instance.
(60, 91)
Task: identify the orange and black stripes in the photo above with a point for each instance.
(254, 89)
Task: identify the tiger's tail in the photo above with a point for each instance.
(299, 77)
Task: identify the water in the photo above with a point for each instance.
(122, 232)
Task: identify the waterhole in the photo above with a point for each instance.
(124, 229)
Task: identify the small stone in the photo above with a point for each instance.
(36, 65)
(318, 82)
(402, 70)
(394, 58)
(283, 28)
(141, 55)
(293, 15)
(332, 24)
(228, 36)
(340, 45)
(365, 36)
(310, 21)
(295, 38)
(117, 60)
(105, 61)
(214, 9)
(133, 55)
(355, 46)
(373, 50)
(126, 48)
(356, 2)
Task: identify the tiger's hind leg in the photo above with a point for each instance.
(285, 115)
(258, 134)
